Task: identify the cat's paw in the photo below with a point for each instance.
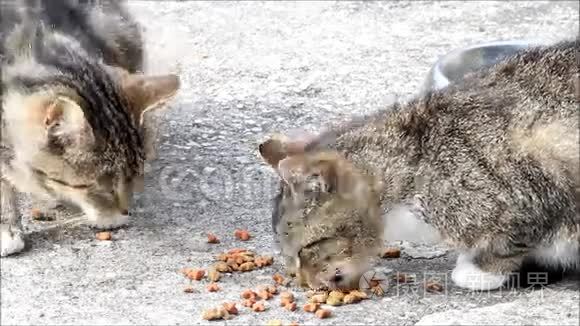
(109, 222)
(469, 276)
(11, 241)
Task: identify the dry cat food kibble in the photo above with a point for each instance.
(194, 274)
(213, 274)
(248, 303)
(322, 313)
(289, 296)
(336, 294)
(258, 307)
(268, 288)
(243, 235)
(333, 301)
(311, 307)
(222, 267)
(337, 298)
(188, 289)
(359, 294)
(231, 308)
(272, 289)
(278, 279)
(355, 296)
(319, 298)
(215, 313)
(213, 287)
(249, 294)
(265, 295)
(211, 238)
(104, 236)
(241, 260)
(350, 298)
(233, 266)
(391, 252)
(247, 267)
(264, 261)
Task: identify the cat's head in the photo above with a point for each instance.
(81, 133)
(330, 221)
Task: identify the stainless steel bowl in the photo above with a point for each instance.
(454, 65)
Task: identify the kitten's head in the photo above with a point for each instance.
(330, 219)
(81, 132)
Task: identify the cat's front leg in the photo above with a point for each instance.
(484, 271)
(11, 233)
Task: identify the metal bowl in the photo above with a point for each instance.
(456, 64)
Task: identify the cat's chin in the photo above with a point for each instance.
(108, 222)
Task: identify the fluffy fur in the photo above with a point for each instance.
(490, 165)
(73, 107)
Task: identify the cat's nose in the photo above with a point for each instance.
(124, 212)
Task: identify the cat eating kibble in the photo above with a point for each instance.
(73, 107)
(489, 165)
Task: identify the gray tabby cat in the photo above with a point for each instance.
(490, 166)
(73, 107)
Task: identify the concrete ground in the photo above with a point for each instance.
(250, 69)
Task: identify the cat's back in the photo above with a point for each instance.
(528, 98)
(543, 76)
(529, 103)
(104, 29)
(522, 112)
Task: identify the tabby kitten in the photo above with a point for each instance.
(73, 107)
(489, 165)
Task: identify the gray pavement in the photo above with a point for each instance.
(250, 69)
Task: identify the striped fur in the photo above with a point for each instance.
(490, 165)
(73, 102)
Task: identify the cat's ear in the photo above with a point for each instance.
(65, 121)
(146, 93)
(280, 146)
(273, 150)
